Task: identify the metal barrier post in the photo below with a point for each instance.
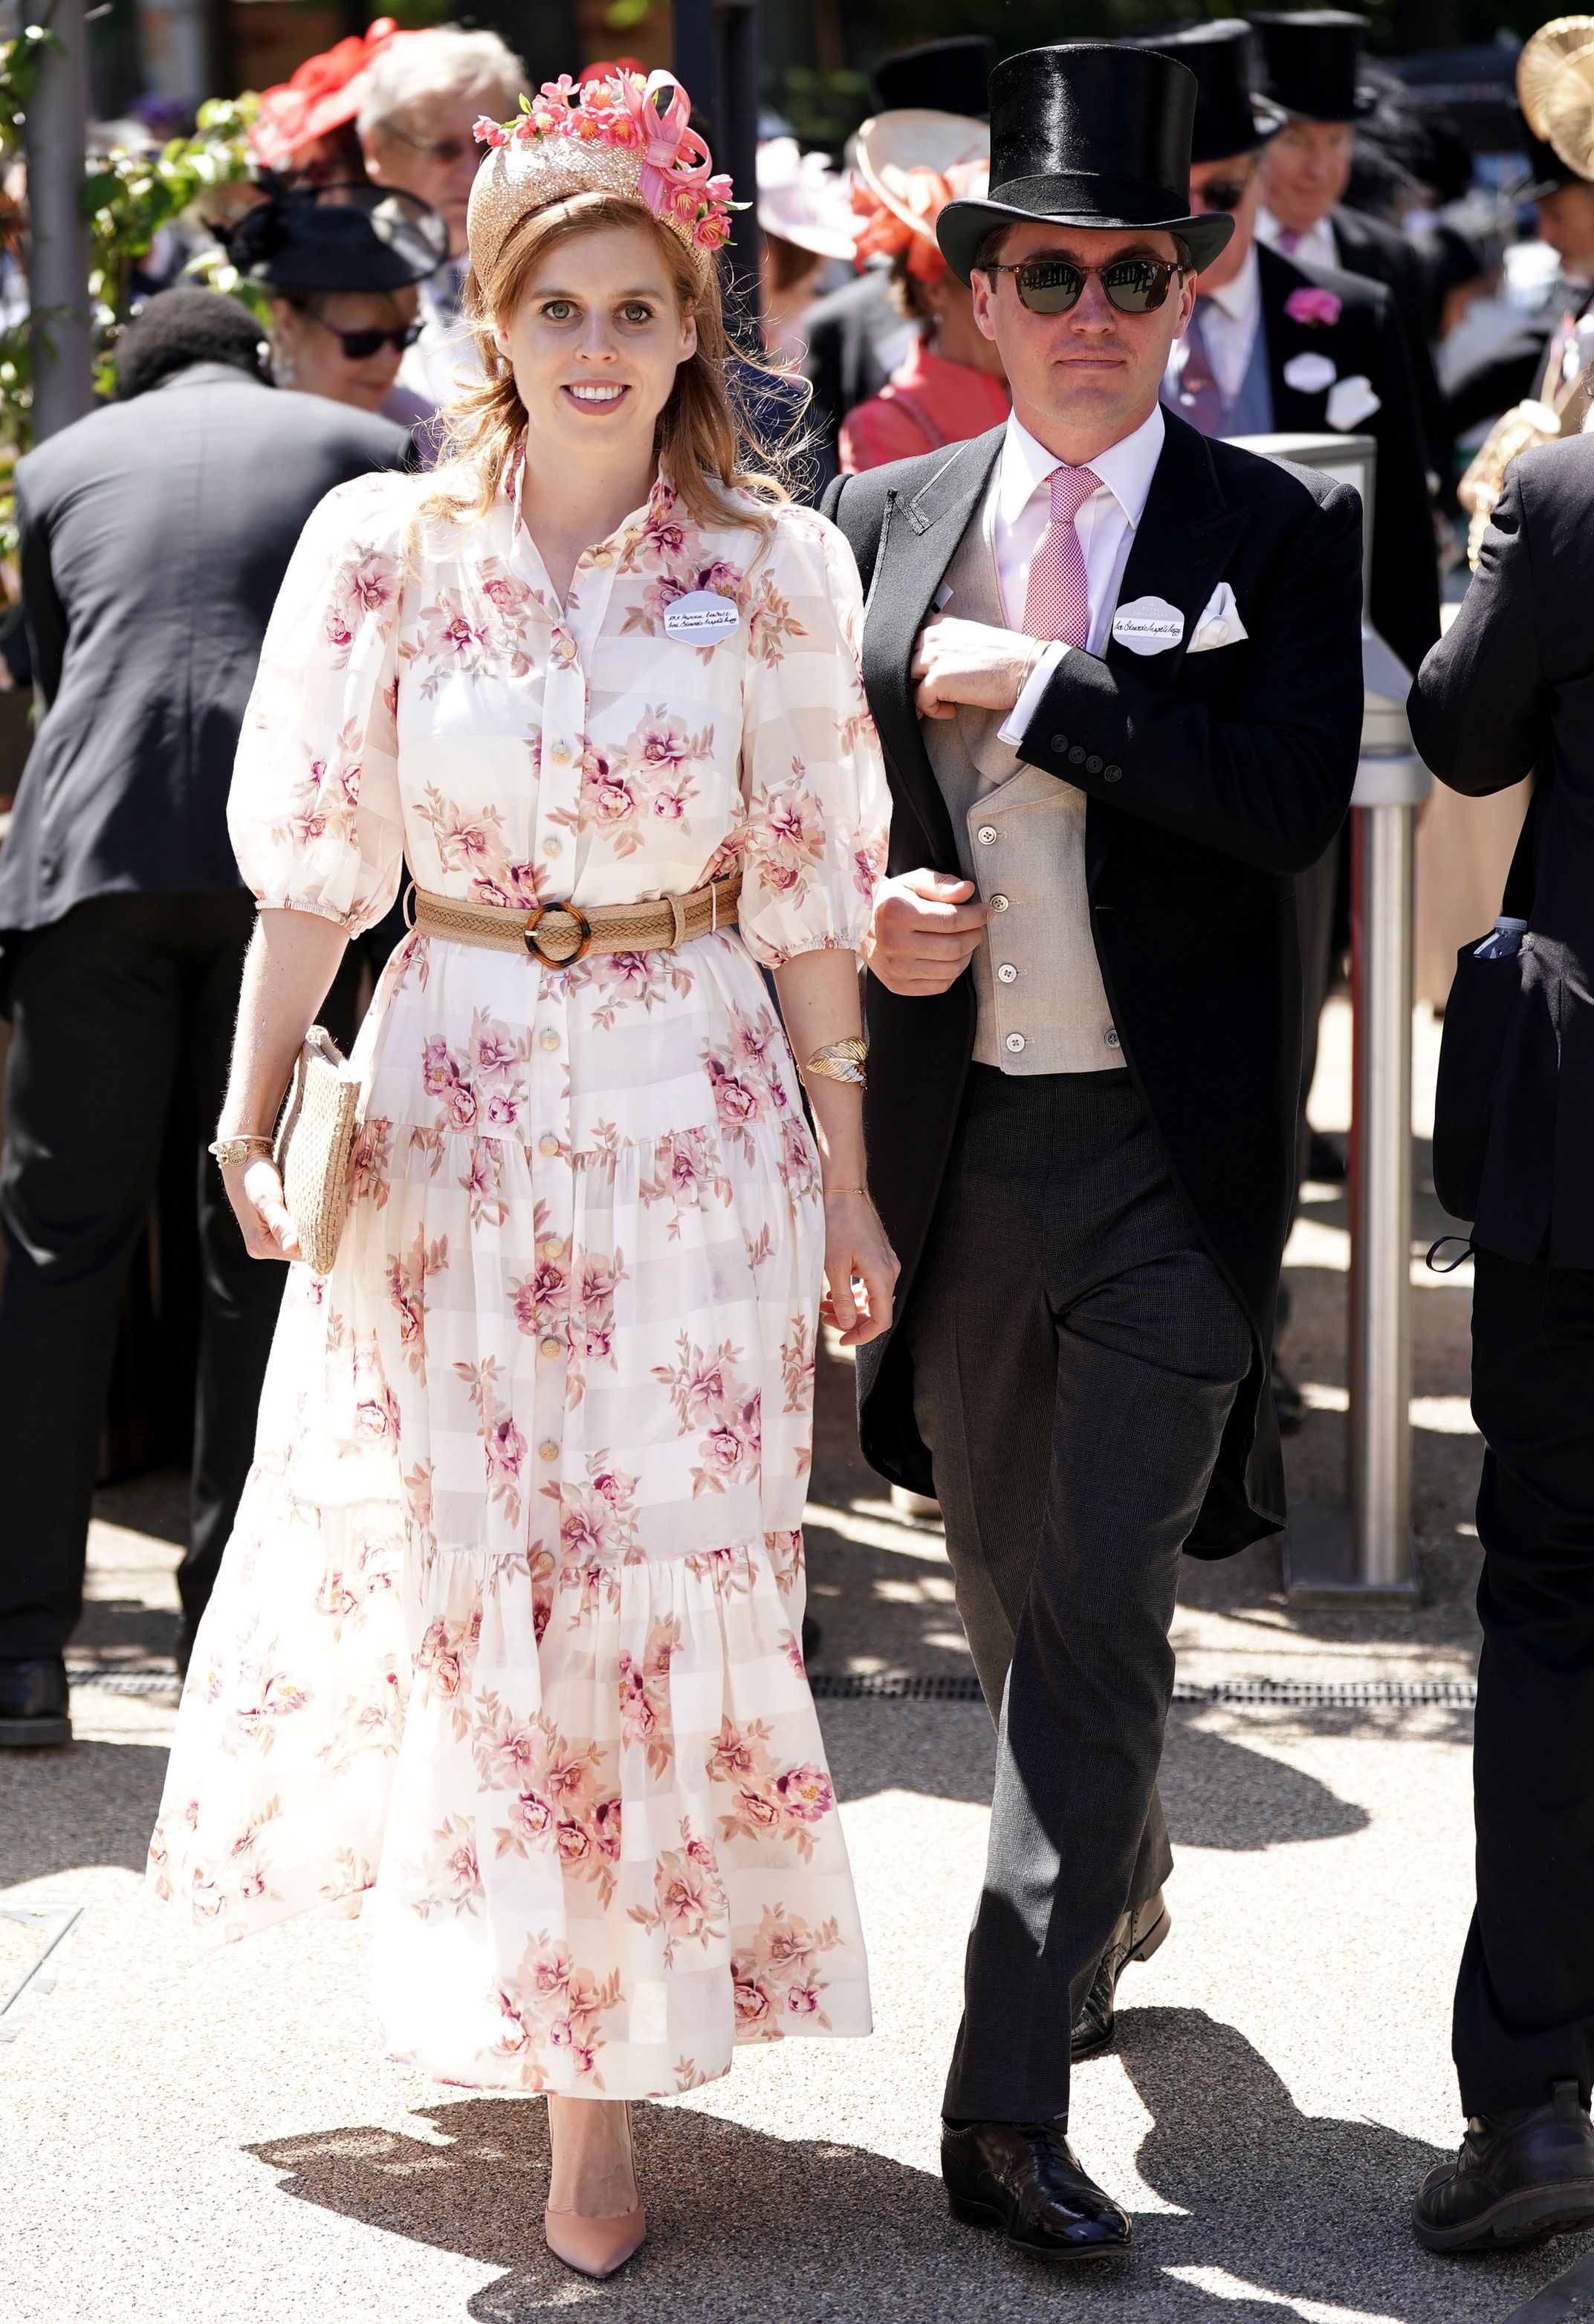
(1363, 1550)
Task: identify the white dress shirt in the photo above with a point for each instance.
(1106, 524)
(1316, 247)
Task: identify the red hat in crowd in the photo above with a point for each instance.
(324, 94)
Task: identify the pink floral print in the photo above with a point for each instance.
(506, 1641)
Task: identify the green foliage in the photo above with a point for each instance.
(823, 108)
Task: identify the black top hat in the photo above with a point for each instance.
(1090, 135)
(1546, 172)
(347, 237)
(1230, 118)
(1311, 61)
(945, 76)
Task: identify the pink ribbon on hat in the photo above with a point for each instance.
(673, 154)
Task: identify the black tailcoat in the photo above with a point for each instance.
(1382, 253)
(1212, 779)
(1402, 597)
(1510, 691)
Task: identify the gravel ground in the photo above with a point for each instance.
(215, 2136)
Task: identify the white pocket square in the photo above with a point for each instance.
(1219, 623)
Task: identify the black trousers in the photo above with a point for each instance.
(1524, 1998)
(102, 1003)
(1075, 1355)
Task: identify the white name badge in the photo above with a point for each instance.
(1351, 401)
(701, 615)
(1150, 625)
(1309, 375)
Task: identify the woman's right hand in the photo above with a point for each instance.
(254, 1190)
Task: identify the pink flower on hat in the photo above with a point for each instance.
(488, 133)
(1311, 304)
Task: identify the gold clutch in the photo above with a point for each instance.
(314, 1137)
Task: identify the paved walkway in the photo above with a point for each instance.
(216, 2137)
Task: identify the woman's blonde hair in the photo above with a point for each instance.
(705, 434)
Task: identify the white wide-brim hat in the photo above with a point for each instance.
(893, 145)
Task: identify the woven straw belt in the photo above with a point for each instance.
(562, 934)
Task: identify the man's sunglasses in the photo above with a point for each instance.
(359, 346)
(1051, 286)
(1222, 193)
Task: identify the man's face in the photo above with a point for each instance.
(1235, 188)
(430, 150)
(1306, 170)
(1566, 222)
(1091, 374)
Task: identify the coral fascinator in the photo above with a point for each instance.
(602, 134)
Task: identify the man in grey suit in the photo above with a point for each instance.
(155, 534)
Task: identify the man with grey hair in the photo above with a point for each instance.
(417, 131)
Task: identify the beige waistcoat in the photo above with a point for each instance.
(1021, 839)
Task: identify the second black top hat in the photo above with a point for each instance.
(1087, 135)
(943, 75)
(1310, 63)
(1229, 117)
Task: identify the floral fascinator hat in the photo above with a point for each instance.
(605, 134)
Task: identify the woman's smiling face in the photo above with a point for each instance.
(595, 344)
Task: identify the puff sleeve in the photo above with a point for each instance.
(314, 813)
(813, 782)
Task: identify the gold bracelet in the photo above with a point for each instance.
(840, 1061)
(231, 1151)
(829, 1191)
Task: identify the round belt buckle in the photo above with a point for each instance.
(571, 912)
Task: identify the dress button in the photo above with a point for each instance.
(1007, 973)
(553, 846)
(1076, 757)
(549, 1145)
(548, 1040)
(560, 754)
(554, 1250)
(549, 1346)
(998, 903)
(1015, 1042)
(986, 834)
(603, 557)
(1092, 765)
(1110, 774)
(548, 1450)
(1059, 742)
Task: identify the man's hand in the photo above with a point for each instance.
(925, 930)
(969, 661)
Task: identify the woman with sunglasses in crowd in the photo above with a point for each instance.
(948, 384)
(341, 265)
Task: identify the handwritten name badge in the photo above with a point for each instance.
(1150, 625)
(701, 615)
(1309, 375)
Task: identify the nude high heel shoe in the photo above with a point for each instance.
(598, 2247)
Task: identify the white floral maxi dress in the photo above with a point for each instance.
(507, 1632)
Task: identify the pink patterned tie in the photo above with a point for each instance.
(1058, 603)
(1289, 240)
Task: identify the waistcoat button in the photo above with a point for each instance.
(986, 834)
(998, 903)
(1008, 973)
(1015, 1042)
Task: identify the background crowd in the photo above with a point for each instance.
(1409, 261)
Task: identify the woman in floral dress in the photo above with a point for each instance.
(507, 1635)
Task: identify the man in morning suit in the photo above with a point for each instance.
(1311, 67)
(1136, 719)
(1509, 691)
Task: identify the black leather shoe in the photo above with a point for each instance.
(1023, 2178)
(1289, 1405)
(1135, 1938)
(1515, 2181)
(33, 1702)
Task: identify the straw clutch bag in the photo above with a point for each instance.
(312, 1150)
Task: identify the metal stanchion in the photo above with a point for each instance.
(1363, 1550)
(58, 237)
(716, 56)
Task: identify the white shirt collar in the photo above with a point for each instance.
(1241, 299)
(1126, 469)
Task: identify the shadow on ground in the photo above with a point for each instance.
(94, 1804)
(1277, 2213)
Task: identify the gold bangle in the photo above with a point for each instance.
(829, 1191)
(840, 1061)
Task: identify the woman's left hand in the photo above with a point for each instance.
(855, 1245)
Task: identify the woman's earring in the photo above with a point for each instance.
(283, 367)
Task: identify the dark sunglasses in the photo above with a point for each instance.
(359, 346)
(1051, 286)
(1222, 193)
